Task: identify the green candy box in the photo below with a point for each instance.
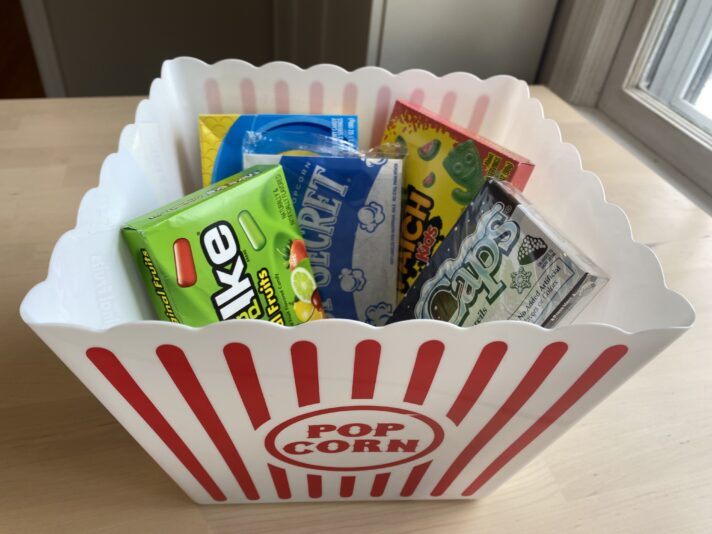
(231, 250)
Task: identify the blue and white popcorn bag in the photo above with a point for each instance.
(348, 209)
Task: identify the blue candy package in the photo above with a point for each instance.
(348, 210)
(225, 159)
(291, 143)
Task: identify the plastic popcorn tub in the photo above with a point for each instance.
(245, 411)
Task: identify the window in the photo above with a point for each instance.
(659, 87)
(676, 70)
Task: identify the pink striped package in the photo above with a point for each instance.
(248, 411)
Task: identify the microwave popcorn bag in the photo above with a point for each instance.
(445, 167)
(348, 210)
(502, 261)
(222, 136)
(228, 251)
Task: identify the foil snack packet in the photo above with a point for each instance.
(231, 250)
(445, 168)
(348, 210)
(502, 261)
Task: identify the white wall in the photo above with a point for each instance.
(485, 37)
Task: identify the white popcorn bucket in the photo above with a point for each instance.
(249, 411)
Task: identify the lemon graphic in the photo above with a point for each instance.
(303, 310)
(303, 284)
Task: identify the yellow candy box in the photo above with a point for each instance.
(445, 168)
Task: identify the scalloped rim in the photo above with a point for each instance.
(152, 323)
(143, 111)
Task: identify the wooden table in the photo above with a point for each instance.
(640, 462)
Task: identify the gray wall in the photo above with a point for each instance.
(108, 47)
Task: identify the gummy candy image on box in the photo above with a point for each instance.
(348, 210)
(232, 250)
(222, 136)
(445, 168)
(502, 261)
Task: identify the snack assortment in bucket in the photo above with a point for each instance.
(444, 169)
(502, 261)
(251, 411)
(315, 229)
(222, 136)
(231, 250)
(348, 209)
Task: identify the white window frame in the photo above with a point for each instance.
(680, 58)
(660, 126)
(678, 102)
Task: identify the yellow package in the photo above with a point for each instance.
(212, 130)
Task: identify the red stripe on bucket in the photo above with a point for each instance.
(249, 98)
(478, 114)
(417, 97)
(426, 364)
(368, 353)
(281, 484)
(306, 372)
(183, 376)
(242, 367)
(281, 96)
(349, 99)
(212, 96)
(314, 486)
(347, 486)
(414, 478)
(481, 374)
(380, 481)
(381, 109)
(544, 364)
(448, 105)
(316, 98)
(589, 378)
(117, 375)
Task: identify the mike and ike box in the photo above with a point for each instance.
(445, 167)
(231, 250)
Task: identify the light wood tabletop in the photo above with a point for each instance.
(640, 462)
